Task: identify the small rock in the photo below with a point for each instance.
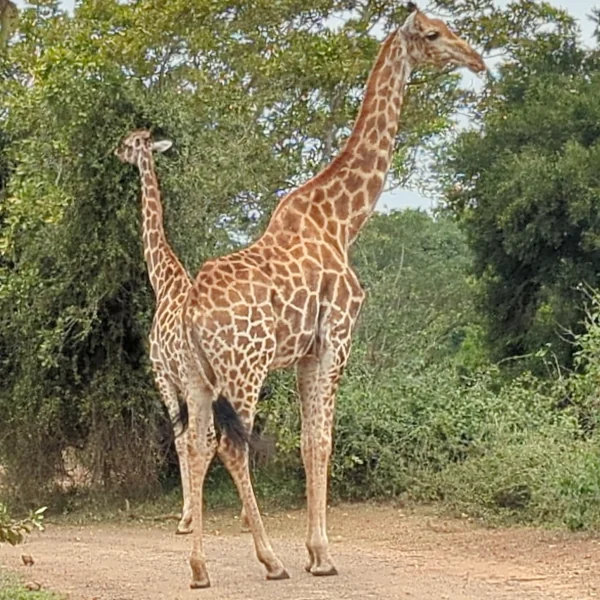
(27, 560)
(33, 586)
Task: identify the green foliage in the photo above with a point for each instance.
(12, 531)
(546, 476)
(414, 269)
(525, 188)
(256, 96)
(11, 589)
(262, 104)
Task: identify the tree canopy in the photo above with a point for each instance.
(525, 187)
(256, 96)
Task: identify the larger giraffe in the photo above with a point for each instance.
(291, 298)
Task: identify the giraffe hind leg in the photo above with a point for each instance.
(317, 382)
(233, 451)
(202, 445)
(178, 414)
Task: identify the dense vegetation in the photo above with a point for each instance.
(474, 368)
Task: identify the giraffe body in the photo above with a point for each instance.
(291, 298)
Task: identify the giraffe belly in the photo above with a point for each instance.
(296, 313)
(291, 348)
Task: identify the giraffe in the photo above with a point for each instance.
(170, 282)
(292, 298)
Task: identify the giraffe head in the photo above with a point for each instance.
(430, 41)
(138, 143)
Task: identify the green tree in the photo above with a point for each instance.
(13, 531)
(255, 94)
(419, 308)
(525, 187)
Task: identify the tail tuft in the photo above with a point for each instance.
(229, 422)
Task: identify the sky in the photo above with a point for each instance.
(403, 198)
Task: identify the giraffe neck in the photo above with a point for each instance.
(161, 261)
(365, 160)
(341, 198)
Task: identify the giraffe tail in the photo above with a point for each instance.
(180, 422)
(228, 421)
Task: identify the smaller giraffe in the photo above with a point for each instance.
(170, 282)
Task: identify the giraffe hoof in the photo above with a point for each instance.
(323, 571)
(182, 531)
(199, 584)
(283, 574)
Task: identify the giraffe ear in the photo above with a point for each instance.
(161, 146)
(409, 23)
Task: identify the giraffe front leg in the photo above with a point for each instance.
(317, 382)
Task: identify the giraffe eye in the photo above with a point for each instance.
(432, 35)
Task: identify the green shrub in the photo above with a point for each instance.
(543, 477)
(11, 589)
(491, 448)
(13, 531)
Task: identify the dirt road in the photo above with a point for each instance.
(380, 552)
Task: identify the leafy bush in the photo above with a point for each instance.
(522, 450)
(546, 476)
(13, 531)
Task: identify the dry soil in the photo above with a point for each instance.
(381, 552)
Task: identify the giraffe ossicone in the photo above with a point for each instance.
(292, 298)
